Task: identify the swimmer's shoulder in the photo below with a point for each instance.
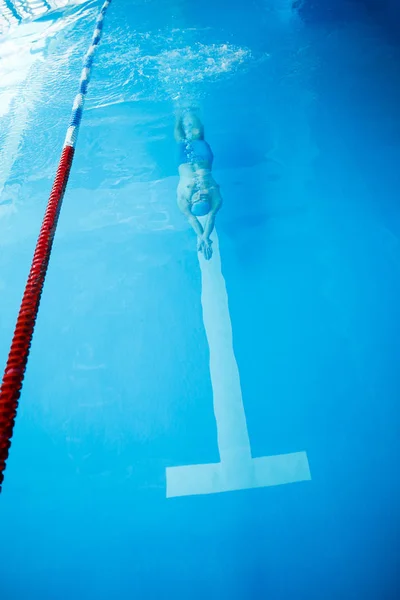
(183, 205)
(217, 200)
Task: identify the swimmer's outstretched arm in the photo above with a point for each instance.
(203, 242)
(194, 222)
(209, 226)
(210, 222)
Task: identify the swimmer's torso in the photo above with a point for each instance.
(195, 160)
(192, 177)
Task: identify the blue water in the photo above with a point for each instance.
(301, 111)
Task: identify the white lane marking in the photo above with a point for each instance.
(237, 470)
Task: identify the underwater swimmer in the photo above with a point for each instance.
(198, 193)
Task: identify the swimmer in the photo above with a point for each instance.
(198, 193)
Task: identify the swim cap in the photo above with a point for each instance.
(201, 208)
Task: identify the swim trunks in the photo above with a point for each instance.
(194, 151)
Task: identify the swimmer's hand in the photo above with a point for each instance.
(204, 246)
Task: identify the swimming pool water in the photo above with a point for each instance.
(132, 370)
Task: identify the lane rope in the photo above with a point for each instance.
(13, 377)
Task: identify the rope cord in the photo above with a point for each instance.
(13, 377)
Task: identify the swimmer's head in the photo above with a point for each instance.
(200, 204)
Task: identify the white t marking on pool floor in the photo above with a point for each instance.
(237, 470)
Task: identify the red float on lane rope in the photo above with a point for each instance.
(10, 389)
